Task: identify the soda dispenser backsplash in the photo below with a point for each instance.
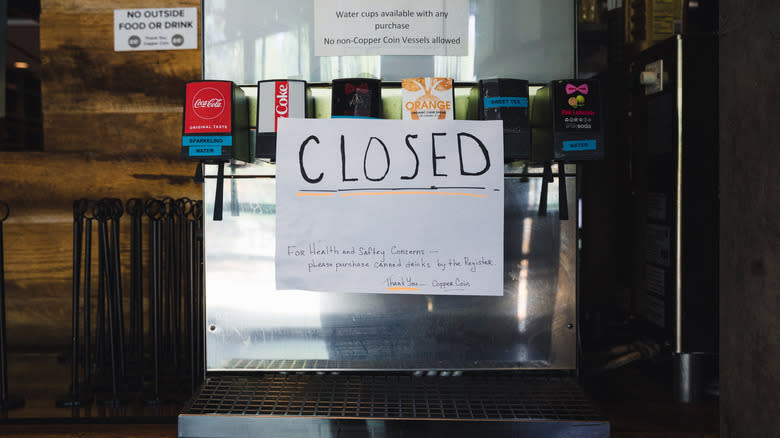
(560, 120)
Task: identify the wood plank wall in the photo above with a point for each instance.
(112, 128)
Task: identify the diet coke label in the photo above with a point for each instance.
(282, 100)
(279, 100)
(208, 108)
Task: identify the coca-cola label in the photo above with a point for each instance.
(207, 108)
(282, 102)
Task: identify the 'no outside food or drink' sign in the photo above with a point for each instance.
(155, 29)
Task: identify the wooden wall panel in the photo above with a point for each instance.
(112, 127)
(127, 137)
(42, 183)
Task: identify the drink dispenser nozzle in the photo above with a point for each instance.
(563, 201)
(220, 191)
(215, 129)
(547, 177)
(566, 126)
(198, 177)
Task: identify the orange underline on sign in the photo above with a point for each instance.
(403, 288)
(314, 194)
(401, 192)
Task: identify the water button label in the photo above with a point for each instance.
(579, 145)
(205, 151)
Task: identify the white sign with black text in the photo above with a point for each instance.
(390, 206)
(155, 29)
(391, 27)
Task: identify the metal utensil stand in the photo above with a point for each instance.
(134, 336)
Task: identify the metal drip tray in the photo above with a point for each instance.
(368, 365)
(389, 405)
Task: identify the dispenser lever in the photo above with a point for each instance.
(220, 189)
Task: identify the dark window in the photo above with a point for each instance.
(21, 121)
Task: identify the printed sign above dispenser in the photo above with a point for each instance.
(467, 41)
(394, 27)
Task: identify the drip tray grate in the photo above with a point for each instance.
(239, 365)
(467, 397)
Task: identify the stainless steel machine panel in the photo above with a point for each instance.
(251, 326)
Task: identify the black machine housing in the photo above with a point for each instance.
(507, 100)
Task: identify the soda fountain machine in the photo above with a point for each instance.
(325, 360)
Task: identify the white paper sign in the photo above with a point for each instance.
(155, 29)
(391, 27)
(390, 206)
